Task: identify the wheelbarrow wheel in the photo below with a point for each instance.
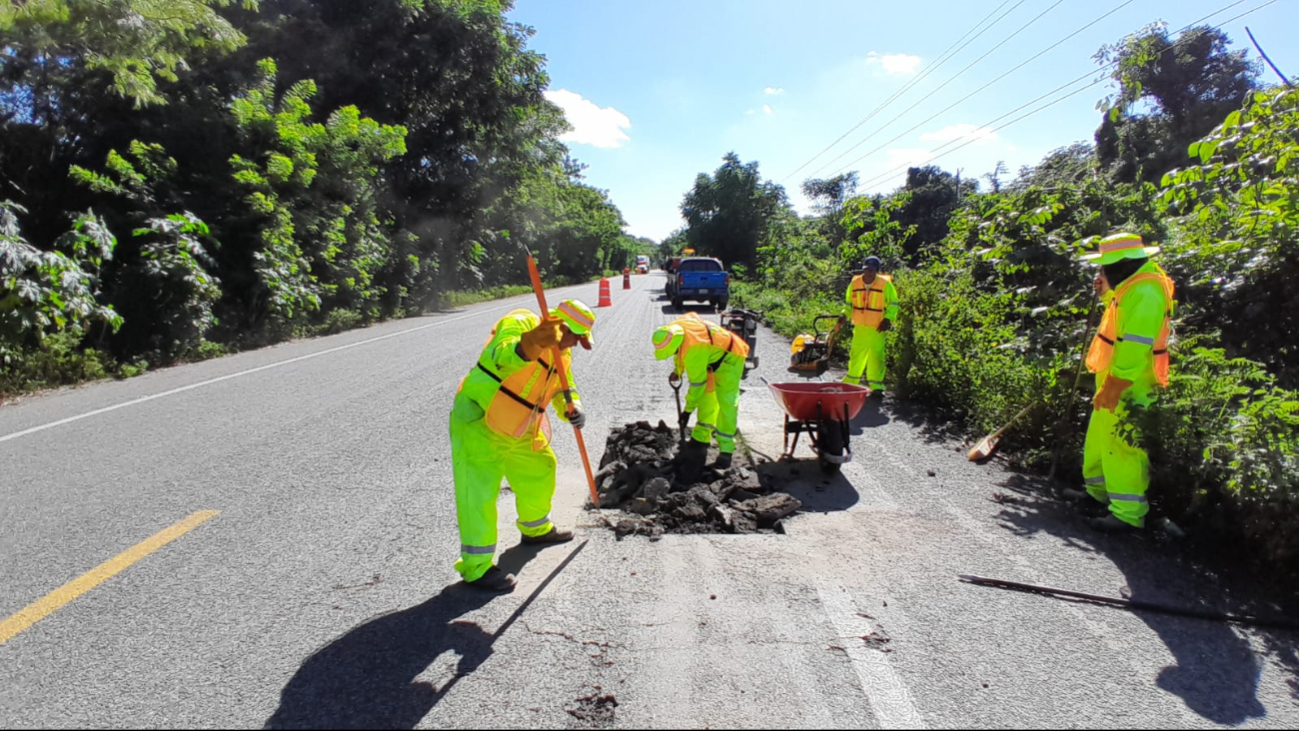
(829, 445)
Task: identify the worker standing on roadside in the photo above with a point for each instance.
(1129, 356)
(702, 351)
(499, 428)
(872, 304)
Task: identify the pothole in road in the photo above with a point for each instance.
(667, 488)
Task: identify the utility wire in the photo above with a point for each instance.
(979, 90)
(1008, 39)
(1179, 42)
(929, 69)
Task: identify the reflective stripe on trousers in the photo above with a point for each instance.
(480, 458)
(1112, 452)
(867, 356)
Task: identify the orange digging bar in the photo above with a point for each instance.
(563, 376)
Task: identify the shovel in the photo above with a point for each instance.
(676, 389)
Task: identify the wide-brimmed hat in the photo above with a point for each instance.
(579, 318)
(1121, 246)
(667, 341)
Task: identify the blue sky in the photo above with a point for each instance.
(659, 91)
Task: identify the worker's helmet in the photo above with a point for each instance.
(579, 318)
(667, 341)
(873, 263)
(1120, 246)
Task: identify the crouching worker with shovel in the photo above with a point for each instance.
(499, 428)
(702, 349)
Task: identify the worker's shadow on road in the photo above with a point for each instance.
(1215, 671)
(366, 678)
(805, 481)
(871, 416)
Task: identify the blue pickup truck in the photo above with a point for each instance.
(699, 279)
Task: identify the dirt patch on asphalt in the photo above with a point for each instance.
(668, 488)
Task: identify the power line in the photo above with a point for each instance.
(932, 67)
(1180, 41)
(1008, 39)
(979, 90)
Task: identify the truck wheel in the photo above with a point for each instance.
(721, 304)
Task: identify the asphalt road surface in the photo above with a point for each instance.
(321, 591)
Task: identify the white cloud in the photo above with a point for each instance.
(962, 131)
(766, 109)
(751, 111)
(894, 64)
(773, 91)
(592, 124)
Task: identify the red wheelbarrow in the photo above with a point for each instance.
(823, 411)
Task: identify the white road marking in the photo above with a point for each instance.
(888, 695)
(250, 371)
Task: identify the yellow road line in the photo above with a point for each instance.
(55, 600)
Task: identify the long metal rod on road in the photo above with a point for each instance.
(1135, 604)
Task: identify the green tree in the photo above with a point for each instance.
(730, 213)
(1170, 93)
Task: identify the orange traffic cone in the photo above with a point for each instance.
(605, 299)
(626, 278)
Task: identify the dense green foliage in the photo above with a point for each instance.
(997, 306)
(247, 186)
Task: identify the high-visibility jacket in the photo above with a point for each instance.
(704, 348)
(872, 304)
(1134, 333)
(514, 393)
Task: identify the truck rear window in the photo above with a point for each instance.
(701, 265)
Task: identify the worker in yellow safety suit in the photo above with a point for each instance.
(872, 305)
(499, 428)
(1129, 356)
(712, 359)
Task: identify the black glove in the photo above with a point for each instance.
(886, 326)
(684, 423)
(577, 418)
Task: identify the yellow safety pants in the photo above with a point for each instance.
(480, 457)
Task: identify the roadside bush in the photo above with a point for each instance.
(57, 361)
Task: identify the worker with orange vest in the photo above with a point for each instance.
(499, 428)
(712, 359)
(1129, 356)
(872, 304)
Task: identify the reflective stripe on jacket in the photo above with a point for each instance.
(514, 393)
(1133, 337)
(704, 348)
(871, 305)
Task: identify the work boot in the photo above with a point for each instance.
(554, 536)
(495, 581)
(1111, 524)
(723, 461)
(1077, 496)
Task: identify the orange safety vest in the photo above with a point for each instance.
(868, 303)
(522, 400)
(1102, 349)
(699, 332)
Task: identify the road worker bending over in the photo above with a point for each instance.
(1130, 359)
(702, 349)
(499, 428)
(872, 304)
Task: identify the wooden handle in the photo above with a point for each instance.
(558, 357)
